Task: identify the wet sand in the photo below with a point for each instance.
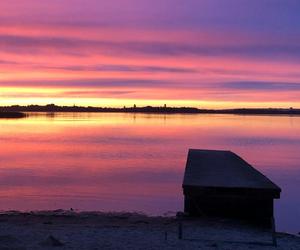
(95, 230)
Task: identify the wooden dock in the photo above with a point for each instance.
(220, 183)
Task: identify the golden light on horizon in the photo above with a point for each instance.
(116, 65)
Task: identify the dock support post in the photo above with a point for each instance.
(179, 217)
(274, 239)
(180, 229)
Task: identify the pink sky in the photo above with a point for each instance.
(204, 53)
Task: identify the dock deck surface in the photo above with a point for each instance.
(223, 169)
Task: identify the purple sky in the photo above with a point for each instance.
(219, 52)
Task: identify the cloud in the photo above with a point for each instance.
(103, 93)
(28, 44)
(146, 83)
(203, 49)
(88, 83)
(255, 15)
(7, 62)
(120, 68)
(261, 86)
(102, 67)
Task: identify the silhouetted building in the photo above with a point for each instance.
(220, 183)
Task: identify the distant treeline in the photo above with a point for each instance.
(150, 109)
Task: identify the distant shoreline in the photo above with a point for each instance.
(12, 115)
(16, 110)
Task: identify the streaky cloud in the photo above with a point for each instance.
(28, 44)
(260, 85)
(92, 83)
(121, 68)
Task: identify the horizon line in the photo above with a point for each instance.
(147, 106)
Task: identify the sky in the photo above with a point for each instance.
(200, 53)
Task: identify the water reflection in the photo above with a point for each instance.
(136, 162)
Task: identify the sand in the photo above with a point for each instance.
(95, 230)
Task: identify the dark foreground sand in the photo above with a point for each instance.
(95, 230)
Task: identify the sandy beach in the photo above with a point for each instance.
(95, 230)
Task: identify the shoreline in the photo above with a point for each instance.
(8, 115)
(125, 230)
(148, 110)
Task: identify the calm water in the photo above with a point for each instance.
(136, 162)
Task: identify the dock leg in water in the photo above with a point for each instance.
(274, 239)
(180, 229)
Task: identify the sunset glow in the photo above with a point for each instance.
(181, 53)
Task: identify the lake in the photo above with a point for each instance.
(135, 162)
